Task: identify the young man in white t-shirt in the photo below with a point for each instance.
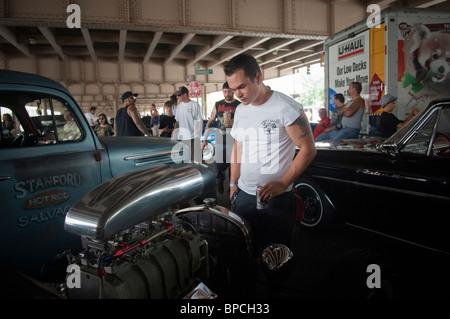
(268, 125)
(90, 116)
(189, 123)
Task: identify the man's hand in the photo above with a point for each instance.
(232, 190)
(228, 123)
(272, 189)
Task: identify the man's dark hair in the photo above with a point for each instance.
(340, 97)
(357, 86)
(245, 62)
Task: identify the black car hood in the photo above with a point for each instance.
(369, 144)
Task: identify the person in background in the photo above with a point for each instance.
(189, 123)
(268, 125)
(70, 130)
(389, 123)
(323, 123)
(90, 116)
(167, 121)
(174, 100)
(154, 121)
(223, 114)
(353, 112)
(9, 127)
(336, 119)
(103, 128)
(128, 122)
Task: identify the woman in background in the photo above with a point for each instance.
(103, 128)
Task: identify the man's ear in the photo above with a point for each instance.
(258, 78)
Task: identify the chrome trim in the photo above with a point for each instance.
(219, 211)
(145, 156)
(131, 198)
(153, 162)
(224, 213)
(5, 178)
(391, 189)
(397, 238)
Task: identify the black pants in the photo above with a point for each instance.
(272, 225)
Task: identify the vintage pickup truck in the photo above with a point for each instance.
(65, 189)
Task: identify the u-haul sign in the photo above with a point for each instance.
(349, 62)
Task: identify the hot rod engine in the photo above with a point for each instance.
(138, 243)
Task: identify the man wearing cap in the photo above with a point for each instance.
(389, 123)
(224, 124)
(128, 121)
(189, 122)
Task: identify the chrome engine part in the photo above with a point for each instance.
(131, 198)
(138, 244)
(153, 259)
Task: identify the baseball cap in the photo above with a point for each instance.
(385, 100)
(127, 94)
(181, 90)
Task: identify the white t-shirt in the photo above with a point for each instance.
(189, 116)
(268, 150)
(89, 117)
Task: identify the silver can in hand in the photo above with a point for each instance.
(260, 204)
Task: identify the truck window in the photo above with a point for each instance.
(41, 120)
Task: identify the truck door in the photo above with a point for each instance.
(46, 165)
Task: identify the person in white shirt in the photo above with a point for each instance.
(90, 116)
(189, 123)
(268, 126)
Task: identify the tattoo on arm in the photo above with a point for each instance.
(305, 128)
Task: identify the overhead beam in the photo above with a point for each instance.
(217, 42)
(292, 60)
(427, 4)
(299, 48)
(152, 47)
(302, 64)
(122, 43)
(89, 44)
(48, 34)
(186, 38)
(384, 3)
(309, 59)
(11, 38)
(253, 42)
(276, 47)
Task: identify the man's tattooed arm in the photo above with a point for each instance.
(304, 125)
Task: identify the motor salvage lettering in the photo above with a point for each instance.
(36, 184)
(43, 216)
